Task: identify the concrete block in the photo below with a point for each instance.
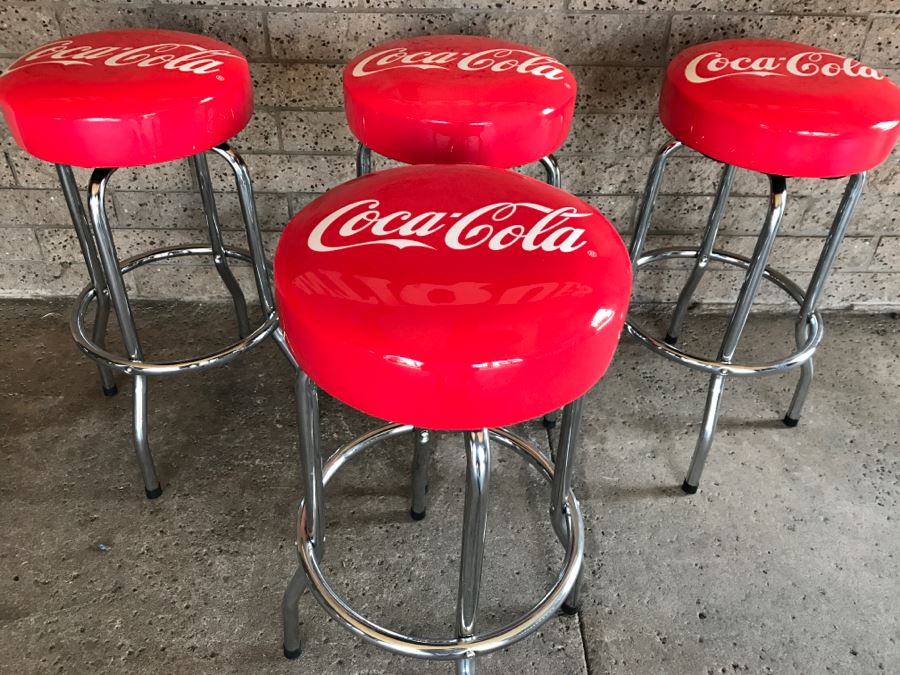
(33, 207)
(292, 4)
(618, 209)
(887, 256)
(604, 174)
(298, 201)
(316, 132)
(863, 291)
(260, 135)
(294, 173)
(832, 7)
(875, 213)
(240, 29)
(61, 245)
(314, 36)
(297, 85)
(183, 210)
(40, 279)
(537, 5)
(24, 27)
(585, 39)
(605, 89)
(840, 34)
(6, 175)
(19, 244)
(885, 178)
(882, 46)
(622, 5)
(743, 215)
(608, 133)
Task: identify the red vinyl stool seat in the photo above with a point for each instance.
(780, 108)
(787, 110)
(451, 297)
(458, 298)
(459, 99)
(126, 97)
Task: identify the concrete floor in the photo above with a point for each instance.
(786, 561)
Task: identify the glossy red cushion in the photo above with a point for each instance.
(126, 97)
(780, 108)
(452, 297)
(459, 100)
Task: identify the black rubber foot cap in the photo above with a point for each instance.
(292, 653)
(415, 515)
(568, 610)
(688, 488)
(669, 340)
(790, 422)
(550, 423)
(111, 391)
(153, 494)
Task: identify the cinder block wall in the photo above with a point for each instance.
(298, 144)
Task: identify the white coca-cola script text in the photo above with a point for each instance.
(492, 60)
(184, 58)
(711, 66)
(496, 226)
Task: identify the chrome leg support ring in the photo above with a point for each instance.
(455, 649)
(814, 331)
(134, 367)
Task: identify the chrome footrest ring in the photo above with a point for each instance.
(798, 358)
(456, 648)
(130, 367)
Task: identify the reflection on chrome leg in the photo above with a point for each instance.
(478, 471)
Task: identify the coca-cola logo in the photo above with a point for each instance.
(711, 66)
(184, 58)
(497, 226)
(493, 60)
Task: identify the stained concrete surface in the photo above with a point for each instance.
(786, 561)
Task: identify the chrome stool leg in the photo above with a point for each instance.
(478, 471)
(424, 441)
(564, 469)
(703, 256)
(290, 614)
(654, 181)
(251, 223)
(363, 160)
(119, 296)
(313, 491)
(551, 166)
(254, 239)
(764, 244)
(845, 210)
(95, 271)
(201, 171)
(141, 442)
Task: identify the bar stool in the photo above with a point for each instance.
(785, 110)
(459, 99)
(476, 298)
(128, 98)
